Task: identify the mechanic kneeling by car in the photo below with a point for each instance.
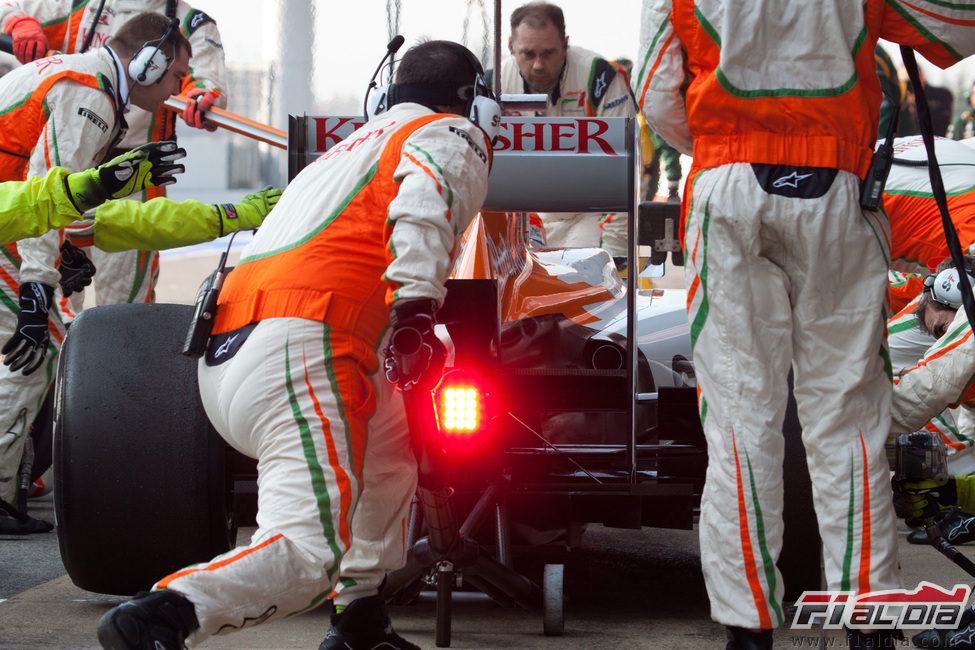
(357, 250)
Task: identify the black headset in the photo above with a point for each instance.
(480, 105)
(149, 64)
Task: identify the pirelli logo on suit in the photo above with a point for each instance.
(94, 118)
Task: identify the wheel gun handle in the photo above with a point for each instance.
(406, 345)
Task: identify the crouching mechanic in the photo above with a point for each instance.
(359, 245)
(909, 338)
(943, 377)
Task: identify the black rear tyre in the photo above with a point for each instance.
(141, 487)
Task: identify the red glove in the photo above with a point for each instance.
(29, 39)
(199, 101)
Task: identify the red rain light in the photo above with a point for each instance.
(460, 409)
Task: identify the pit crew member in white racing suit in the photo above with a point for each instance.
(942, 378)
(360, 244)
(578, 83)
(917, 249)
(780, 110)
(60, 111)
(70, 27)
(908, 339)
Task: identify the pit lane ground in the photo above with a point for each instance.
(624, 588)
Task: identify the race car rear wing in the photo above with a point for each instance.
(550, 164)
(541, 164)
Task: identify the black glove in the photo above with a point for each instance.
(27, 347)
(414, 356)
(149, 165)
(75, 268)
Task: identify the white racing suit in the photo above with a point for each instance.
(956, 426)
(918, 244)
(589, 86)
(785, 269)
(128, 276)
(69, 119)
(942, 378)
(300, 322)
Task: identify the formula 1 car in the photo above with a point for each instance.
(570, 423)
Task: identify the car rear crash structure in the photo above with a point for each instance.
(568, 422)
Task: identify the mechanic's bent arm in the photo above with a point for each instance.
(442, 175)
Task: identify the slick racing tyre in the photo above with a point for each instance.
(140, 477)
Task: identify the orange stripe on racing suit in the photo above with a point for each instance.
(298, 282)
(758, 593)
(863, 579)
(341, 476)
(218, 564)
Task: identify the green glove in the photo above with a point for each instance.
(151, 165)
(249, 212)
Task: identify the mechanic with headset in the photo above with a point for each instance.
(918, 248)
(782, 134)
(357, 250)
(943, 377)
(73, 28)
(578, 83)
(64, 111)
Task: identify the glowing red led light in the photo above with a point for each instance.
(460, 408)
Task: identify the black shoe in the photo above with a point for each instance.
(963, 637)
(22, 525)
(364, 625)
(160, 620)
(740, 638)
(882, 639)
(957, 527)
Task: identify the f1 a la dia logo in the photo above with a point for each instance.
(926, 607)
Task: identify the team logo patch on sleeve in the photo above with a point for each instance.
(195, 19)
(93, 117)
(601, 76)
